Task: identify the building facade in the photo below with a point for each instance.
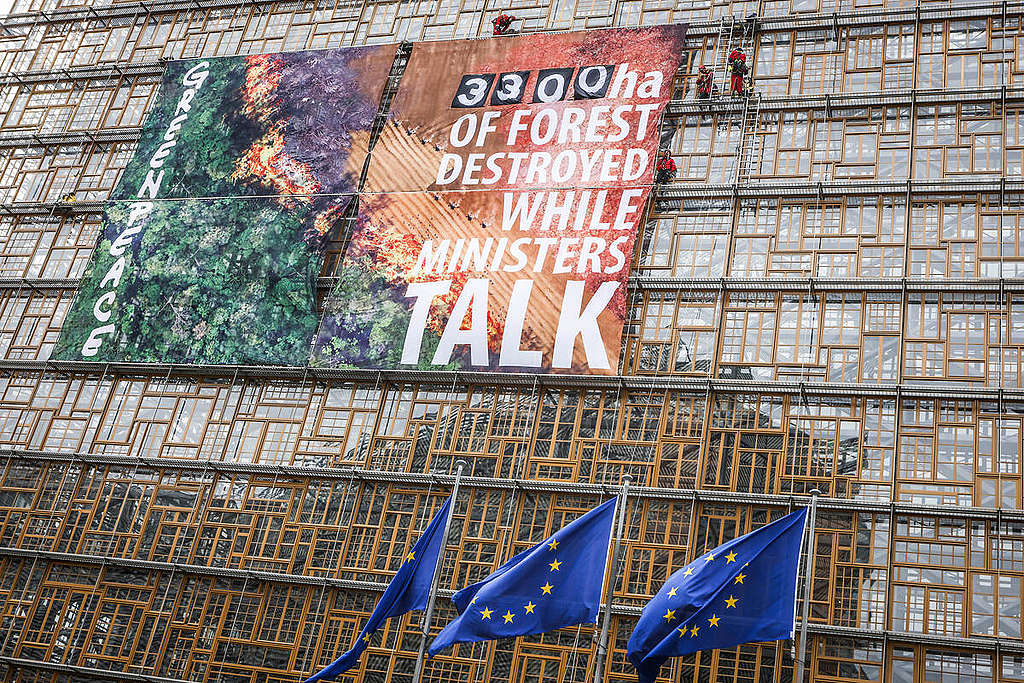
(827, 296)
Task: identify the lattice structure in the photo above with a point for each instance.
(825, 297)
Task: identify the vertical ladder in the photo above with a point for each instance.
(723, 46)
(732, 33)
(744, 35)
(749, 25)
(750, 143)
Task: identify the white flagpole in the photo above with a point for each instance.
(798, 675)
(606, 619)
(429, 615)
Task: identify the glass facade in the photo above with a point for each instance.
(827, 296)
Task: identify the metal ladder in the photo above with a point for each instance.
(723, 46)
(750, 143)
(749, 30)
(732, 33)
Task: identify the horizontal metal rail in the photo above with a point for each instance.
(113, 71)
(39, 284)
(695, 385)
(826, 103)
(832, 190)
(1004, 645)
(835, 189)
(829, 102)
(721, 105)
(122, 10)
(86, 671)
(73, 137)
(822, 20)
(512, 484)
(812, 285)
(51, 208)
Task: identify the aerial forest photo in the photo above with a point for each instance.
(213, 241)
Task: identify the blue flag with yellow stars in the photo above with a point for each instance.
(742, 591)
(408, 590)
(556, 583)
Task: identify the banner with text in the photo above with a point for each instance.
(214, 237)
(504, 200)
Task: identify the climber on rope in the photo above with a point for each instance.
(737, 70)
(704, 81)
(665, 170)
(502, 24)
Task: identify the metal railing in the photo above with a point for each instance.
(821, 20)
(979, 644)
(680, 383)
(517, 484)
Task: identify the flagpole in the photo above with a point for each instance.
(429, 615)
(798, 676)
(606, 618)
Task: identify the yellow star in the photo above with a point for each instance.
(689, 570)
(508, 616)
(529, 607)
(411, 556)
(547, 588)
(672, 593)
(473, 601)
(731, 557)
(714, 620)
(669, 615)
(366, 638)
(740, 577)
(682, 631)
(731, 602)
(555, 565)
(710, 557)
(486, 614)
(553, 545)
(693, 631)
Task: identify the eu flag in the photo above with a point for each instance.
(556, 583)
(409, 590)
(740, 592)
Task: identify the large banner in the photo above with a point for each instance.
(212, 244)
(503, 203)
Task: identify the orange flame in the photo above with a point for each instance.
(261, 79)
(392, 254)
(267, 161)
(325, 219)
